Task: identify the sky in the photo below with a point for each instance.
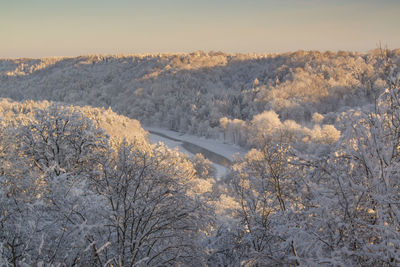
(47, 28)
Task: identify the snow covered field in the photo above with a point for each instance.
(185, 144)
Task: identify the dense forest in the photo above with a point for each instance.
(193, 92)
(80, 184)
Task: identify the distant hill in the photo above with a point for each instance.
(192, 92)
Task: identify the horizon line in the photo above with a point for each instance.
(196, 51)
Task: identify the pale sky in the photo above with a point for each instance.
(42, 28)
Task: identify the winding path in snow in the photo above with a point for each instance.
(194, 149)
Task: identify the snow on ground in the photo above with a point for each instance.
(218, 147)
(214, 146)
(153, 138)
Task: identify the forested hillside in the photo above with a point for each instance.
(193, 92)
(320, 185)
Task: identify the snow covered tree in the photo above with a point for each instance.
(150, 216)
(71, 195)
(47, 206)
(354, 219)
(266, 188)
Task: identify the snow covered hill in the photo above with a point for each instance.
(191, 93)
